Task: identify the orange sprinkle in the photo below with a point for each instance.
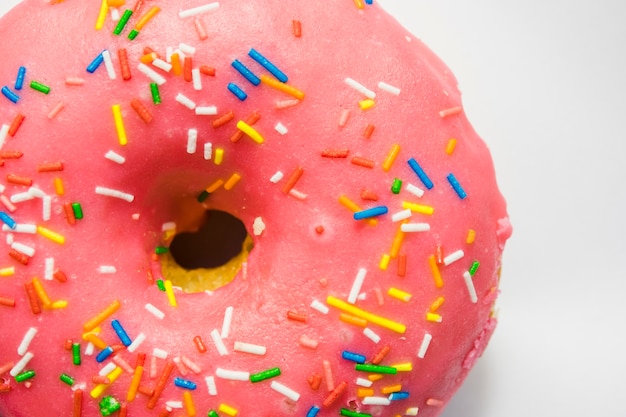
(50, 167)
(380, 355)
(100, 379)
(285, 88)
(147, 391)
(214, 186)
(363, 162)
(78, 403)
(369, 131)
(319, 230)
(95, 340)
(402, 258)
(359, 4)
(32, 298)
(67, 345)
(296, 28)
(391, 157)
(59, 276)
(162, 382)
(364, 392)
(451, 146)
(177, 68)
(293, 179)
(335, 394)
(69, 213)
(397, 243)
(148, 58)
(335, 153)
(436, 304)
(199, 344)
(292, 315)
(223, 119)
(471, 236)
(206, 70)
(147, 17)
(141, 110)
(189, 404)
(122, 55)
(375, 377)
(350, 319)
(101, 316)
(200, 30)
(7, 302)
(16, 123)
(41, 293)
(19, 180)
(315, 381)
(19, 256)
(11, 154)
(187, 67)
(59, 188)
(232, 181)
(116, 3)
(368, 195)
(250, 121)
(391, 388)
(435, 271)
(134, 383)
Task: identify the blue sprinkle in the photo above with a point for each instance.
(313, 411)
(372, 212)
(354, 357)
(243, 70)
(265, 63)
(121, 333)
(420, 173)
(8, 220)
(6, 91)
(457, 187)
(400, 395)
(184, 383)
(234, 88)
(104, 354)
(95, 64)
(369, 1)
(19, 82)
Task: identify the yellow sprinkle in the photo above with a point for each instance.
(375, 377)
(399, 294)
(58, 304)
(364, 392)
(147, 17)
(232, 181)
(99, 389)
(403, 367)
(219, 156)
(119, 124)
(215, 186)
(435, 270)
(367, 104)
(95, 340)
(397, 243)
(53, 236)
(359, 4)
(418, 208)
(41, 293)
(227, 409)
(391, 388)
(102, 15)
(250, 131)
(391, 157)
(59, 188)
(373, 318)
(433, 317)
(450, 146)
(7, 272)
(436, 304)
(169, 290)
(285, 88)
(356, 321)
(471, 235)
(189, 405)
(354, 207)
(384, 262)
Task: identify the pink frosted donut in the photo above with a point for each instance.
(251, 208)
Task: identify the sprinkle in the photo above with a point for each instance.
(389, 88)
(108, 64)
(401, 215)
(77, 210)
(143, 20)
(200, 346)
(267, 374)
(20, 257)
(184, 383)
(335, 153)
(122, 55)
(189, 404)
(377, 369)
(121, 333)
(19, 180)
(109, 192)
(451, 111)
(21, 364)
(265, 63)
(397, 243)
(104, 354)
(432, 262)
(26, 341)
(384, 262)
(41, 293)
(176, 66)
(119, 124)
(219, 156)
(353, 357)
(353, 320)
(356, 285)
(379, 320)
(343, 118)
(74, 81)
(97, 61)
(169, 290)
(420, 173)
(451, 146)
(328, 375)
(381, 354)
(434, 317)
(232, 375)
(50, 167)
(363, 162)
(474, 268)
(165, 374)
(7, 272)
(366, 104)
(53, 236)
(281, 128)
(313, 411)
(276, 177)
(314, 380)
(76, 360)
(353, 207)
(453, 257)
(37, 86)
(15, 125)
(141, 110)
(200, 30)
(284, 390)
(418, 208)
(228, 410)
(206, 110)
(456, 186)
(399, 294)
(192, 141)
(391, 157)
(437, 303)
(24, 376)
(292, 180)
(245, 72)
(206, 70)
(219, 343)
(7, 302)
(237, 91)
(32, 298)
(307, 342)
(56, 110)
(226, 323)
(360, 88)
(77, 403)
(250, 348)
(349, 413)
(8, 220)
(151, 74)
(414, 227)
(156, 95)
(371, 212)
(285, 88)
(94, 322)
(250, 131)
(21, 75)
(67, 379)
(376, 401)
(223, 119)
(467, 277)
(296, 29)
(292, 315)
(102, 14)
(285, 104)
(364, 392)
(198, 10)
(359, 4)
(188, 72)
(335, 393)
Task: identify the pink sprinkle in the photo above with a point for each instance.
(76, 81)
(56, 110)
(379, 296)
(343, 119)
(153, 367)
(284, 104)
(184, 371)
(117, 359)
(297, 194)
(328, 376)
(7, 203)
(434, 402)
(451, 111)
(6, 367)
(194, 367)
(200, 29)
(306, 341)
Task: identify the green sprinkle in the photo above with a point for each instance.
(350, 413)
(474, 267)
(109, 405)
(78, 211)
(122, 23)
(156, 95)
(203, 196)
(160, 284)
(76, 353)
(262, 376)
(212, 413)
(67, 379)
(378, 369)
(133, 34)
(160, 250)
(39, 87)
(396, 186)
(26, 375)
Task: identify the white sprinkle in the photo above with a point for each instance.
(115, 157)
(185, 101)
(89, 349)
(26, 250)
(362, 382)
(46, 208)
(10, 238)
(319, 306)
(107, 269)
(155, 311)
(277, 177)
(424, 346)
(250, 348)
(21, 364)
(258, 226)
(115, 14)
(187, 49)
(415, 190)
(21, 228)
(232, 375)
(196, 79)
(136, 342)
(356, 285)
(174, 404)
(208, 151)
(150, 73)
(2, 188)
(412, 411)
(48, 269)
(370, 334)
(218, 342)
(21, 197)
(108, 64)
(281, 128)
(159, 353)
(192, 141)
(110, 192)
(284, 390)
(107, 369)
(401, 215)
(376, 401)
(36, 192)
(389, 88)
(28, 338)
(198, 10)
(415, 227)
(168, 227)
(228, 319)
(210, 383)
(360, 88)
(162, 65)
(206, 110)
(453, 257)
(470, 286)
(4, 132)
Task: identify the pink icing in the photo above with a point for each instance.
(311, 247)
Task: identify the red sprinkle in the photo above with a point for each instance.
(141, 359)
(292, 315)
(368, 195)
(319, 230)
(69, 343)
(32, 298)
(59, 276)
(334, 394)
(5, 387)
(296, 28)
(141, 110)
(123, 410)
(369, 130)
(11, 154)
(251, 120)
(439, 254)
(147, 391)
(293, 179)
(363, 162)
(187, 66)
(69, 213)
(315, 381)
(6, 301)
(199, 344)
(138, 7)
(19, 256)
(223, 119)
(335, 153)
(19, 180)
(165, 413)
(378, 358)
(50, 167)
(165, 375)
(15, 125)
(78, 403)
(402, 265)
(100, 379)
(206, 70)
(124, 65)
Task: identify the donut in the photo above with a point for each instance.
(237, 208)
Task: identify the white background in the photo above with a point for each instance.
(544, 85)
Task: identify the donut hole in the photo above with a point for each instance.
(210, 256)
